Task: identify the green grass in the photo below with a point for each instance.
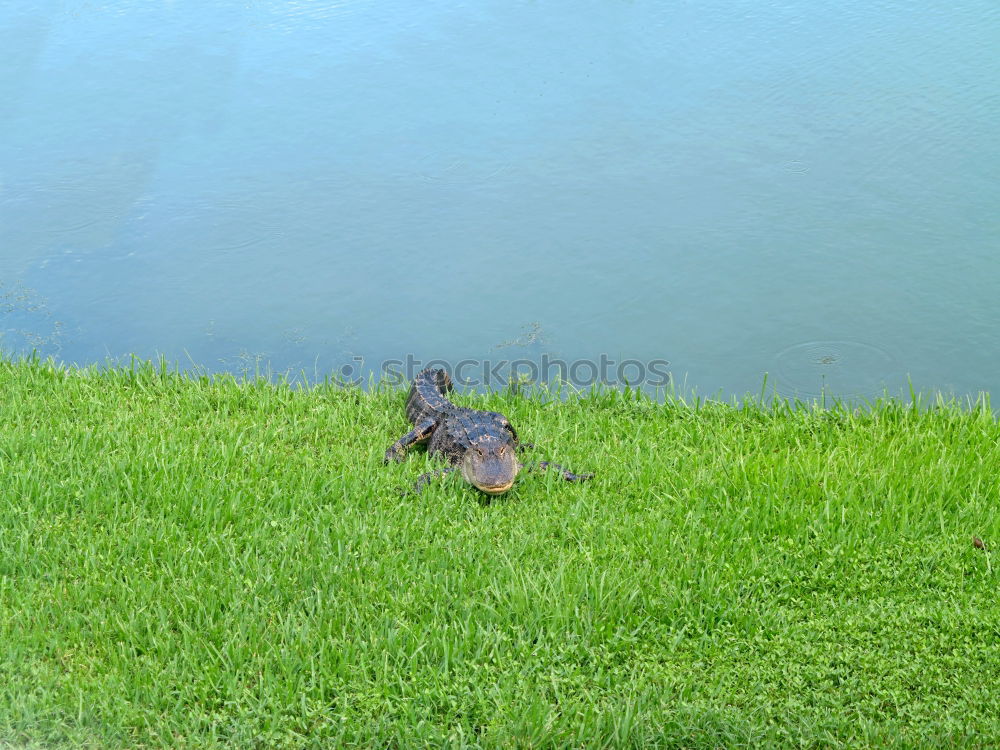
(196, 563)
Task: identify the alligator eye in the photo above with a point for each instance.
(502, 449)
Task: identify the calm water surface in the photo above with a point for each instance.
(736, 187)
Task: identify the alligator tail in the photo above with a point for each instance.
(427, 394)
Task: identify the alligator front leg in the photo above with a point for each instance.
(422, 431)
(424, 479)
(568, 475)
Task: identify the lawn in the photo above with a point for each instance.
(189, 562)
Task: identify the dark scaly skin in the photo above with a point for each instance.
(481, 444)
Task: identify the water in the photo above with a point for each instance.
(737, 187)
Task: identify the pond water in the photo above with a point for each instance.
(323, 187)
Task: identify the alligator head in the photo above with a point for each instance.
(490, 465)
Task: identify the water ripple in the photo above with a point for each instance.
(843, 369)
(796, 167)
(461, 171)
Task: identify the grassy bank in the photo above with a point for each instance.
(196, 564)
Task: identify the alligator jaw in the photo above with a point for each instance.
(498, 490)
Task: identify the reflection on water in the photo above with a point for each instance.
(299, 184)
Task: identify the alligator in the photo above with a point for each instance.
(481, 444)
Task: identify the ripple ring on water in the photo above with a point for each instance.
(844, 369)
(460, 171)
